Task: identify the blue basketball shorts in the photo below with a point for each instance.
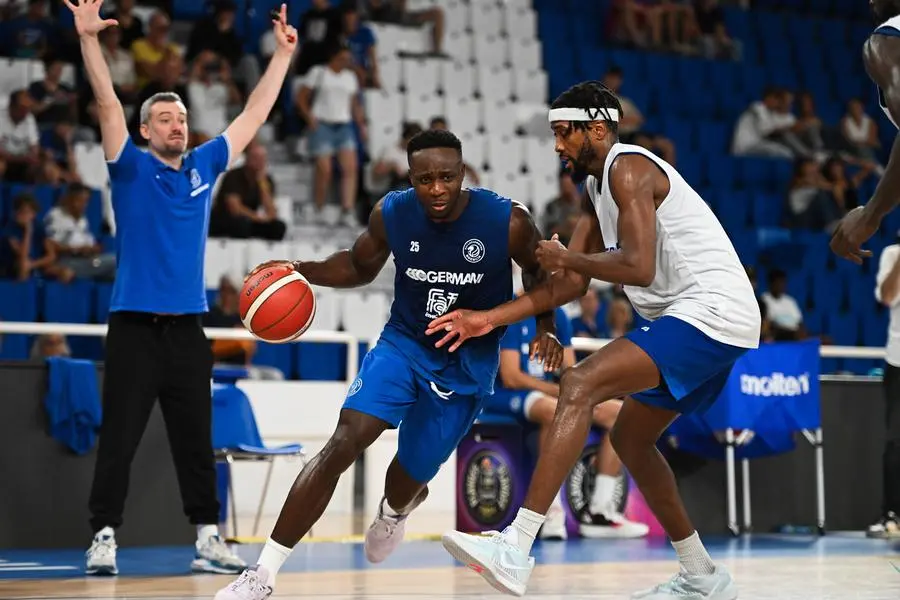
(432, 420)
(693, 367)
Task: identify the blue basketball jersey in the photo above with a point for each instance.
(442, 267)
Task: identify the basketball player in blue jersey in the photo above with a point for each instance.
(452, 248)
(881, 56)
(644, 227)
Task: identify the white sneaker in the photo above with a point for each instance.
(384, 535)
(683, 586)
(610, 525)
(214, 556)
(554, 527)
(100, 559)
(251, 585)
(501, 563)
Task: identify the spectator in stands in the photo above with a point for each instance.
(619, 318)
(361, 40)
(636, 23)
(860, 131)
(26, 250)
(632, 120)
(396, 13)
(328, 101)
(808, 128)
(56, 148)
(531, 394)
(714, 39)
(561, 213)
(845, 189)
(19, 138)
(130, 25)
(152, 51)
(765, 128)
(812, 203)
(320, 31)
(121, 64)
(680, 23)
(226, 313)
(765, 333)
(216, 34)
(75, 246)
(245, 205)
(390, 168)
(785, 316)
(585, 325)
(49, 345)
(53, 100)
(30, 35)
(472, 179)
(887, 291)
(210, 86)
(170, 76)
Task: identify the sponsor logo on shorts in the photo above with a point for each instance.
(776, 384)
(488, 487)
(579, 487)
(444, 277)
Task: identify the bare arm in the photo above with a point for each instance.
(354, 267)
(880, 55)
(514, 378)
(524, 238)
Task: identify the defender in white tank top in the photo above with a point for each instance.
(699, 277)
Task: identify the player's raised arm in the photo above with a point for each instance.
(88, 23)
(245, 126)
(881, 54)
(353, 267)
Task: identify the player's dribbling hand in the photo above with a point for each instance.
(551, 254)
(853, 231)
(272, 263)
(459, 326)
(285, 35)
(546, 348)
(87, 17)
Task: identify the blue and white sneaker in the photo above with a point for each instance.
(496, 557)
(214, 556)
(100, 559)
(683, 586)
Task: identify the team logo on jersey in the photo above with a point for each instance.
(195, 179)
(438, 302)
(579, 487)
(488, 487)
(357, 385)
(473, 250)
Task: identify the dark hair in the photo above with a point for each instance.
(775, 275)
(24, 199)
(593, 97)
(433, 138)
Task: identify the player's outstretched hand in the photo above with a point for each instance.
(272, 263)
(546, 348)
(459, 326)
(87, 16)
(285, 35)
(852, 232)
(551, 254)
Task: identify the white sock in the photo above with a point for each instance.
(204, 532)
(104, 532)
(693, 556)
(604, 488)
(272, 557)
(388, 511)
(527, 524)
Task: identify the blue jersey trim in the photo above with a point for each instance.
(887, 30)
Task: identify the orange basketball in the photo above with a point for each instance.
(277, 304)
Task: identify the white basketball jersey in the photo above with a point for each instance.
(889, 27)
(699, 277)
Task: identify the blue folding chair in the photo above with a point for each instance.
(236, 438)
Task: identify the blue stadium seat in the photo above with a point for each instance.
(101, 307)
(280, 356)
(18, 302)
(67, 303)
(321, 362)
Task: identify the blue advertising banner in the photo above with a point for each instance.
(772, 391)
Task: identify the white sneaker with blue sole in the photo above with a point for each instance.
(214, 556)
(496, 557)
(100, 559)
(716, 586)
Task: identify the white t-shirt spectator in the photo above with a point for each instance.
(757, 123)
(18, 138)
(66, 230)
(332, 93)
(212, 117)
(783, 312)
(121, 67)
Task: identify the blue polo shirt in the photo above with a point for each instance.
(518, 336)
(162, 221)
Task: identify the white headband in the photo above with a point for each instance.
(579, 114)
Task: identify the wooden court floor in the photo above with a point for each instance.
(769, 568)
